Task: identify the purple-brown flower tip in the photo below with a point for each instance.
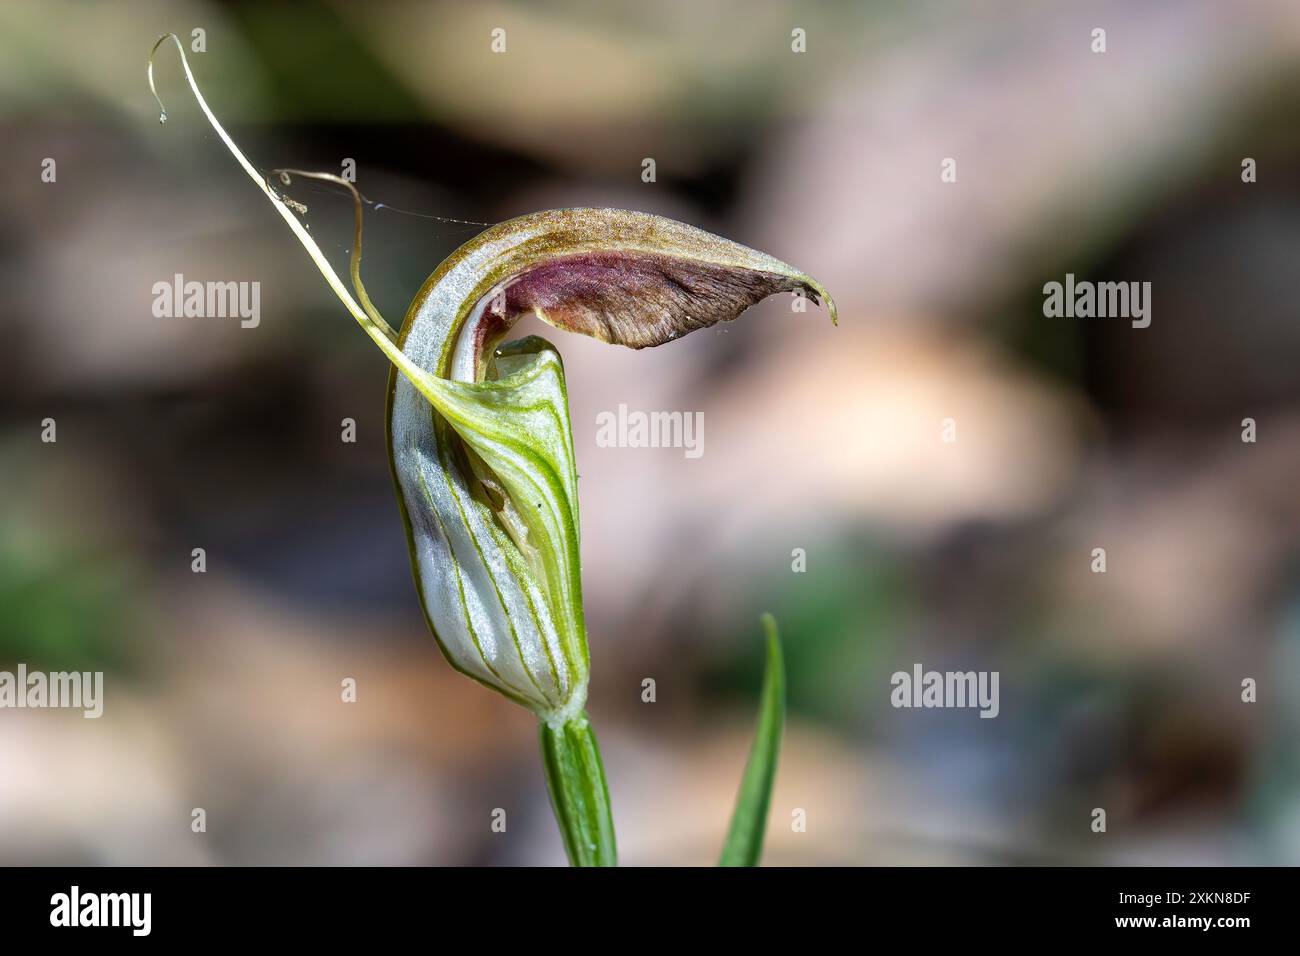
(623, 277)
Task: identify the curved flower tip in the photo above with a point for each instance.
(628, 278)
(633, 279)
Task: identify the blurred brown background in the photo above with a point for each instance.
(1118, 690)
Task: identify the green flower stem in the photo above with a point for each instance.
(575, 778)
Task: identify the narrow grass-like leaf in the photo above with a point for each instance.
(744, 844)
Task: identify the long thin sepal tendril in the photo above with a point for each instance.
(355, 262)
(368, 317)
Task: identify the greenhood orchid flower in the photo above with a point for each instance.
(481, 445)
(493, 516)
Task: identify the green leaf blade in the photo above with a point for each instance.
(744, 843)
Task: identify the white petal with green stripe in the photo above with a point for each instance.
(488, 488)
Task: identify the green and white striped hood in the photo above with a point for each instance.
(481, 445)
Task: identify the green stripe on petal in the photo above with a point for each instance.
(517, 429)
